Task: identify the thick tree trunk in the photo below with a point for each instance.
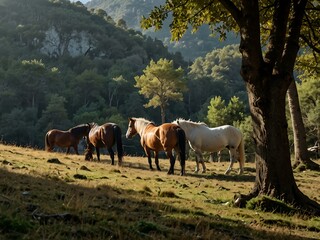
(267, 80)
(302, 159)
(274, 174)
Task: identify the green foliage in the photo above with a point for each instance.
(245, 127)
(74, 65)
(217, 112)
(223, 66)
(55, 115)
(220, 114)
(161, 83)
(9, 224)
(191, 45)
(309, 93)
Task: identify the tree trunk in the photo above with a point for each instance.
(267, 79)
(274, 174)
(163, 114)
(302, 159)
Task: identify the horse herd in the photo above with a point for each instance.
(168, 137)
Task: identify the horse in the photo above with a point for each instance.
(68, 139)
(102, 136)
(203, 138)
(166, 137)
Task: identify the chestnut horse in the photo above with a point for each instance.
(166, 137)
(102, 136)
(66, 139)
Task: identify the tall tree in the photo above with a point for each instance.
(267, 73)
(299, 132)
(161, 82)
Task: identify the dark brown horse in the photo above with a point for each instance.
(66, 139)
(166, 137)
(102, 136)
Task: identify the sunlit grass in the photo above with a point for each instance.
(133, 202)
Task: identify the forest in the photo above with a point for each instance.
(62, 64)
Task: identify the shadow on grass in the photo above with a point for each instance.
(248, 176)
(72, 211)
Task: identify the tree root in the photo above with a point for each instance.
(300, 165)
(302, 205)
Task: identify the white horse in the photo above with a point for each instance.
(201, 138)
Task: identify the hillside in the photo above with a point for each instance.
(191, 45)
(62, 65)
(57, 196)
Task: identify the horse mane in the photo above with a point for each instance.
(189, 121)
(79, 129)
(143, 119)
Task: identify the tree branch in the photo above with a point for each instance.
(292, 44)
(278, 31)
(232, 8)
(310, 44)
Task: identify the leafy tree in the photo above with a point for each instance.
(217, 113)
(216, 74)
(309, 90)
(55, 115)
(88, 87)
(220, 114)
(267, 70)
(161, 83)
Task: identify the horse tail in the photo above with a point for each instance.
(46, 142)
(118, 138)
(182, 146)
(241, 154)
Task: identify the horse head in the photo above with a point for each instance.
(132, 131)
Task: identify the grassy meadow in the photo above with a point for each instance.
(57, 196)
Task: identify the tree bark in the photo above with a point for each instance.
(163, 113)
(302, 159)
(267, 80)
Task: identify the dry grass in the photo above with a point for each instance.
(76, 199)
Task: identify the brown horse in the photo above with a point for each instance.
(166, 137)
(66, 139)
(105, 135)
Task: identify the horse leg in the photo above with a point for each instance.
(202, 163)
(98, 153)
(148, 152)
(172, 162)
(232, 154)
(68, 150)
(199, 158)
(211, 157)
(196, 170)
(75, 147)
(241, 166)
(156, 159)
(111, 152)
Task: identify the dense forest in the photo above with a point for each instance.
(191, 45)
(62, 64)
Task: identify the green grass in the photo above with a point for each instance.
(75, 199)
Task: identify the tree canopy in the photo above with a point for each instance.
(271, 33)
(161, 82)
